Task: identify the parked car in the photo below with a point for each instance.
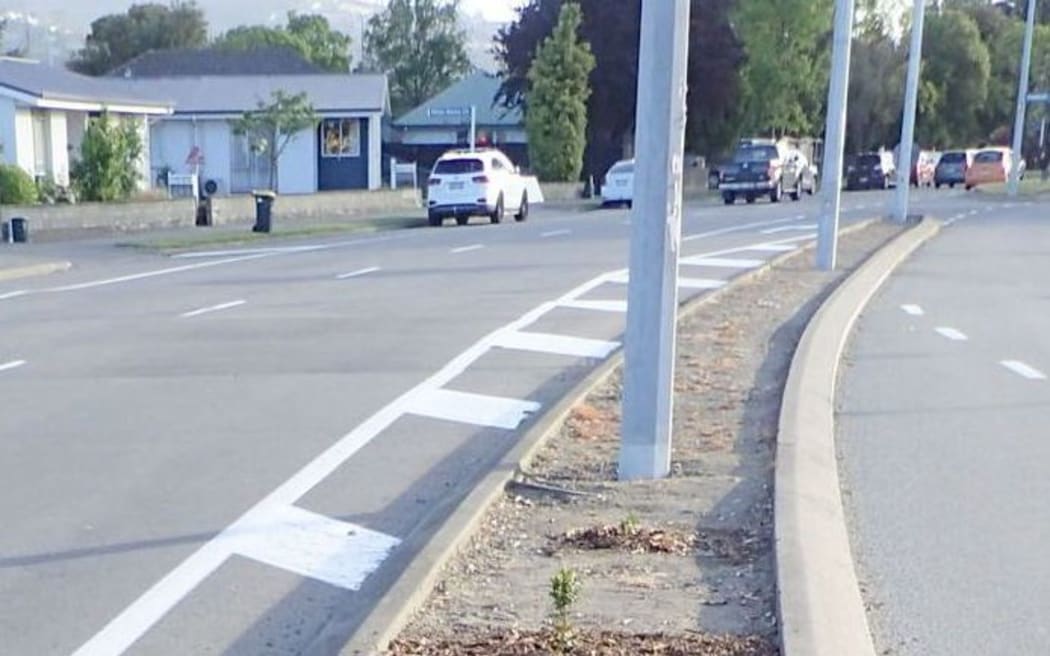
(757, 169)
(802, 172)
(922, 174)
(951, 168)
(992, 165)
(475, 183)
(874, 170)
(618, 188)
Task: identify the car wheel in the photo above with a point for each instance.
(750, 199)
(797, 193)
(462, 220)
(523, 208)
(728, 199)
(936, 185)
(777, 193)
(435, 220)
(629, 204)
(969, 187)
(497, 214)
(951, 185)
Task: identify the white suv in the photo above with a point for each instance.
(479, 183)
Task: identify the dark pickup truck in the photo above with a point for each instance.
(765, 168)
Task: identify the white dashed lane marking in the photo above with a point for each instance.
(213, 308)
(722, 262)
(14, 364)
(913, 310)
(358, 273)
(952, 334)
(467, 249)
(1023, 370)
(555, 233)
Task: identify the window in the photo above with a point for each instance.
(459, 166)
(989, 156)
(41, 144)
(341, 137)
(756, 154)
(497, 165)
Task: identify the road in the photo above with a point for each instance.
(943, 442)
(237, 452)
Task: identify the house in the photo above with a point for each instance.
(180, 62)
(44, 112)
(443, 123)
(343, 152)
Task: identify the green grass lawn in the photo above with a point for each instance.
(240, 235)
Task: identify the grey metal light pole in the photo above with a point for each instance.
(911, 97)
(835, 136)
(652, 296)
(1022, 100)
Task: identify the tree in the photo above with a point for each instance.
(556, 121)
(786, 73)
(612, 29)
(420, 46)
(310, 35)
(876, 92)
(115, 39)
(272, 127)
(109, 154)
(956, 68)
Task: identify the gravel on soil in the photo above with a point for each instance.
(682, 565)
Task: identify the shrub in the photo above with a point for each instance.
(107, 169)
(16, 186)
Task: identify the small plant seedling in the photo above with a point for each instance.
(630, 525)
(565, 591)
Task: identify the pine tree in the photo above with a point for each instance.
(556, 114)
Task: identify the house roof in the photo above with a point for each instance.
(478, 89)
(236, 94)
(45, 86)
(214, 61)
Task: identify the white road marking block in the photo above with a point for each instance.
(597, 306)
(20, 292)
(14, 364)
(555, 233)
(700, 283)
(770, 248)
(913, 310)
(467, 408)
(773, 231)
(952, 334)
(358, 273)
(311, 545)
(721, 262)
(467, 249)
(557, 344)
(1024, 370)
(157, 272)
(213, 308)
(737, 228)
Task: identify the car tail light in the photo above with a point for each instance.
(480, 179)
(435, 182)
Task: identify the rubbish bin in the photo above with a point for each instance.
(204, 212)
(18, 230)
(263, 210)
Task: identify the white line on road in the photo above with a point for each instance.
(14, 364)
(913, 310)
(1022, 369)
(467, 249)
(721, 262)
(951, 333)
(597, 306)
(475, 409)
(358, 273)
(557, 344)
(771, 248)
(804, 226)
(555, 233)
(740, 228)
(212, 308)
(156, 272)
(700, 283)
(20, 292)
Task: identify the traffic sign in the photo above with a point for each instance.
(1039, 97)
(448, 112)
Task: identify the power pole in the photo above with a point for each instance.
(656, 227)
(835, 136)
(911, 97)
(1022, 100)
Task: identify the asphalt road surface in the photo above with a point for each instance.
(236, 452)
(942, 434)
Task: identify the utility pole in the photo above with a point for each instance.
(835, 136)
(911, 97)
(1022, 100)
(656, 227)
(473, 128)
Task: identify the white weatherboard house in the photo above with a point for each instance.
(44, 112)
(343, 152)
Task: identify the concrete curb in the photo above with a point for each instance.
(819, 600)
(34, 270)
(412, 587)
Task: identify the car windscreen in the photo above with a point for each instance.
(459, 166)
(869, 160)
(755, 154)
(622, 168)
(953, 158)
(988, 157)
